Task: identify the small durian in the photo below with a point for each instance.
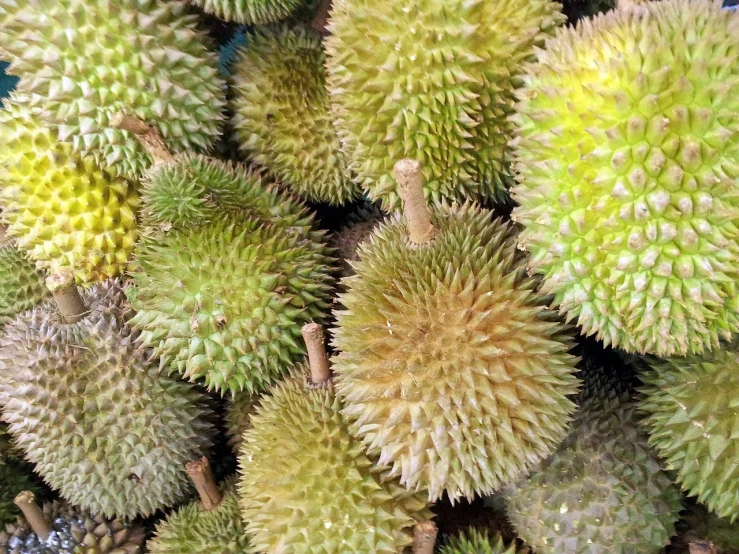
(21, 285)
(211, 525)
(627, 167)
(306, 484)
(281, 114)
(434, 81)
(452, 370)
(706, 526)
(359, 226)
(690, 405)
(239, 411)
(61, 208)
(250, 12)
(89, 407)
(476, 542)
(59, 528)
(80, 62)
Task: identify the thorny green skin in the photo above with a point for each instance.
(462, 420)
(281, 114)
(239, 411)
(434, 81)
(83, 61)
(21, 286)
(251, 12)
(627, 155)
(307, 485)
(475, 542)
(691, 415)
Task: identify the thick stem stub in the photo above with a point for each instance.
(424, 537)
(61, 284)
(702, 547)
(26, 501)
(315, 342)
(410, 188)
(320, 19)
(202, 477)
(148, 135)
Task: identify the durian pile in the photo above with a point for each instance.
(369, 276)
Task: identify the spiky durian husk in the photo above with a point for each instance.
(475, 542)
(21, 285)
(627, 154)
(61, 209)
(250, 12)
(74, 531)
(238, 417)
(307, 485)
(90, 409)
(281, 114)
(692, 419)
(193, 530)
(452, 369)
(83, 61)
(358, 228)
(433, 81)
(703, 525)
(224, 302)
(14, 478)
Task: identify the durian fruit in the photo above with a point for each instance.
(250, 12)
(602, 491)
(81, 62)
(61, 208)
(239, 412)
(358, 228)
(434, 81)
(692, 419)
(59, 528)
(306, 484)
(281, 114)
(90, 409)
(703, 525)
(21, 286)
(452, 370)
(627, 162)
(211, 525)
(476, 542)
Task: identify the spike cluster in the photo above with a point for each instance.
(476, 542)
(251, 12)
(21, 285)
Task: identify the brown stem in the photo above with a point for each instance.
(26, 501)
(410, 187)
(320, 19)
(148, 135)
(202, 477)
(315, 342)
(67, 297)
(702, 547)
(424, 537)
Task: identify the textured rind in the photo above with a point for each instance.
(21, 285)
(308, 487)
(358, 228)
(431, 80)
(14, 478)
(453, 371)
(475, 542)
(83, 61)
(238, 417)
(89, 408)
(627, 161)
(62, 209)
(192, 530)
(703, 525)
(224, 302)
(281, 114)
(691, 415)
(250, 12)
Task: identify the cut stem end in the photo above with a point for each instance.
(26, 501)
(202, 477)
(315, 342)
(62, 286)
(424, 537)
(410, 188)
(147, 135)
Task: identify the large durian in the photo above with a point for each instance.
(61, 208)
(307, 485)
(453, 371)
(21, 285)
(627, 159)
(83, 61)
(251, 12)
(281, 114)
(431, 80)
(211, 525)
(476, 542)
(691, 415)
(89, 408)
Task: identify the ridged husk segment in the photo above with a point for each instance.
(281, 114)
(15, 477)
(476, 542)
(83, 61)
(453, 371)
(87, 534)
(90, 409)
(432, 81)
(704, 525)
(21, 285)
(308, 486)
(358, 228)
(224, 302)
(250, 12)
(193, 530)
(61, 208)
(627, 155)
(239, 411)
(691, 415)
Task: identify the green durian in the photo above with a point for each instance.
(431, 80)
(239, 411)
(281, 114)
(307, 485)
(91, 411)
(692, 418)
(358, 228)
(476, 542)
(251, 12)
(627, 161)
(81, 63)
(21, 286)
(703, 525)
(453, 371)
(61, 208)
